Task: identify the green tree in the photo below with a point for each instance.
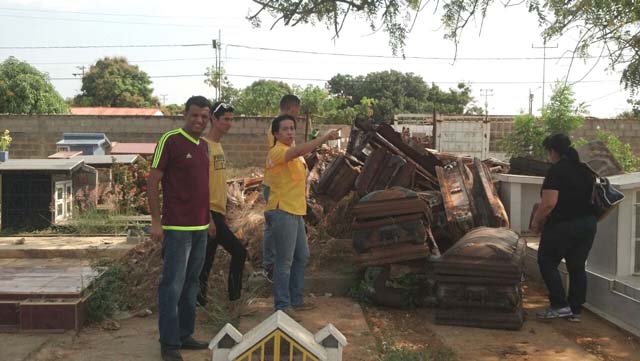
(217, 79)
(25, 90)
(525, 139)
(113, 82)
(634, 113)
(621, 151)
(172, 109)
(395, 92)
(323, 107)
(562, 114)
(611, 25)
(262, 97)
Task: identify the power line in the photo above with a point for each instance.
(312, 52)
(296, 51)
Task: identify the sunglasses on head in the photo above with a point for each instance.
(225, 107)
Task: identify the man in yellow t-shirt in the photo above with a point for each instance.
(289, 105)
(221, 119)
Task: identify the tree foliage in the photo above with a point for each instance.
(262, 97)
(324, 107)
(217, 79)
(25, 90)
(113, 82)
(561, 115)
(525, 139)
(621, 151)
(395, 92)
(611, 25)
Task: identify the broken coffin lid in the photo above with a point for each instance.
(490, 211)
(599, 158)
(456, 185)
(484, 256)
(470, 198)
(528, 166)
(383, 170)
(390, 217)
(339, 178)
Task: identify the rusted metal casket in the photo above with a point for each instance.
(383, 170)
(390, 226)
(479, 280)
(339, 178)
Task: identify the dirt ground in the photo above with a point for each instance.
(559, 340)
(371, 331)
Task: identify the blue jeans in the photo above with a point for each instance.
(292, 254)
(268, 248)
(183, 255)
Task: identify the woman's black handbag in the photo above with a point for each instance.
(605, 197)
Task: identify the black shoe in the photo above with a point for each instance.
(190, 344)
(170, 354)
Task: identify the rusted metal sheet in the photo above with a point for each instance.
(338, 180)
(599, 158)
(425, 159)
(528, 166)
(390, 218)
(490, 211)
(479, 280)
(456, 187)
(382, 170)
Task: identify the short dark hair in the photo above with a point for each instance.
(288, 100)
(275, 123)
(197, 100)
(219, 108)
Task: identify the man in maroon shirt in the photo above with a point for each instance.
(181, 163)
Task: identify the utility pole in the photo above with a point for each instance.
(81, 68)
(530, 102)
(164, 99)
(544, 48)
(486, 93)
(217, 48)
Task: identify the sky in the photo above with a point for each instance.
(178, 72)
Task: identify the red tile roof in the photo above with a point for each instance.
(133, 148)
(115, 111)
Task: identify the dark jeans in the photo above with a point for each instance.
(231, 244)
(182, 255)
(571, 241)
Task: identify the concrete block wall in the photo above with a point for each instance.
(35, 136)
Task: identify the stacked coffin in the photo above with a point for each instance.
(479, 280)
(391, 226)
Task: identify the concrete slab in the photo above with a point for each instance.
(64, 247)
(343, 313)
(32, 278)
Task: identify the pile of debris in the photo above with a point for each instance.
(414, 210)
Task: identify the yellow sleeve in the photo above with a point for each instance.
(276, 156)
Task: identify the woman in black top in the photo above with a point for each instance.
(568, 226)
